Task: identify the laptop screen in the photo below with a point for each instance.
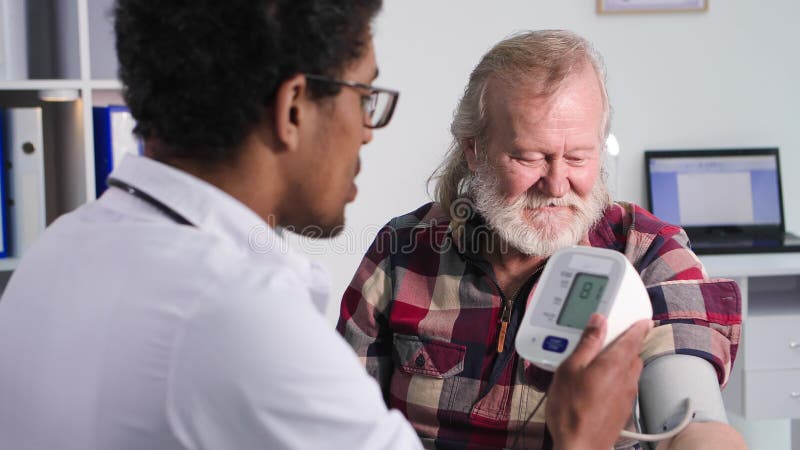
(734, 188)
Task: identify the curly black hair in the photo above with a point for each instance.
(198, 74)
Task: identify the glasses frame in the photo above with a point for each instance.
(373, 92)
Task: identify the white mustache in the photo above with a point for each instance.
(534, 201)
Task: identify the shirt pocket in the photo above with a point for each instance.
(415, 355)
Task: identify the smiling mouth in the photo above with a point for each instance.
(549, 206)
(548, 211)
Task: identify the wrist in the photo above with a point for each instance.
(576, 444)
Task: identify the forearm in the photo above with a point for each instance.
(705, 436)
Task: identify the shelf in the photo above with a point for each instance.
(8, 264)
(105, 84)
(68, 46)
(35, 85)
(773, 295)
(752, 264)
(772, 308)
(779, 304)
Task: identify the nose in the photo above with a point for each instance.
(367, 137)
(554, 182)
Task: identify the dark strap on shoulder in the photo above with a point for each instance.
(169, 212)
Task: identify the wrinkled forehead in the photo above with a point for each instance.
(520, 100)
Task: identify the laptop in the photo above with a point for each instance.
(727, 200)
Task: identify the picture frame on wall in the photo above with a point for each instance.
(650, 6)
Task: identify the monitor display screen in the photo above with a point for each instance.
(582, 300)
(715, 190)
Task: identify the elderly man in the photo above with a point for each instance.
(434, 308)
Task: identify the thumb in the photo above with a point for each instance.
(591, 342)
(632, 339)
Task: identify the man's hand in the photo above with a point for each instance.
(591, 397)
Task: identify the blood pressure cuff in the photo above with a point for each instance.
(668, 380)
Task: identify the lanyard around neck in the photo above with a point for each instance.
(144, 196)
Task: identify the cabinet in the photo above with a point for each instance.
(69, 53)
(765, 381)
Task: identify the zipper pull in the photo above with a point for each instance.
(501, 340)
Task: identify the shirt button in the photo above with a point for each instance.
(420, 361)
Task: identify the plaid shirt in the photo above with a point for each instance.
(423, 313)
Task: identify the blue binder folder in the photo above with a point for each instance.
(4, 221)
(113, 138)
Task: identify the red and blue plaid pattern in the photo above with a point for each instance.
(423, 313)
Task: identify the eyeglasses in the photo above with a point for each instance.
(378, 105)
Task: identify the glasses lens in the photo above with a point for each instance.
(380, 108)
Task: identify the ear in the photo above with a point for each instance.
(471, 153)
(291, 111)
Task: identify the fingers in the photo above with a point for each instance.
(621, 357)
(593, 379)
(591, 342)
(630, 342)
(592, 391)
(639, 329)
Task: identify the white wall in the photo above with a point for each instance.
(723, 78)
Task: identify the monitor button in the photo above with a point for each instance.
(555, 344)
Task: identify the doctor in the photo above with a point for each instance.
(168, 314)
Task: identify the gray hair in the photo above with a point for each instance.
(541, 60)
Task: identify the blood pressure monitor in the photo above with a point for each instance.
(576, 282)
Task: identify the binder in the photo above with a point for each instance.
(4, 221)
(26, 191)
(113, 138)
(13, 40)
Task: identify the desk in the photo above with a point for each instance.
(765, 381)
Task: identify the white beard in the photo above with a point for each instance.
(529, 230)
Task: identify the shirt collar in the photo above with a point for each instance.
(469, 235)
(213, 210)
(204, 205)
(610, 231)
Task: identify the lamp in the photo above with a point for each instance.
(612, 151)
(58, 95)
